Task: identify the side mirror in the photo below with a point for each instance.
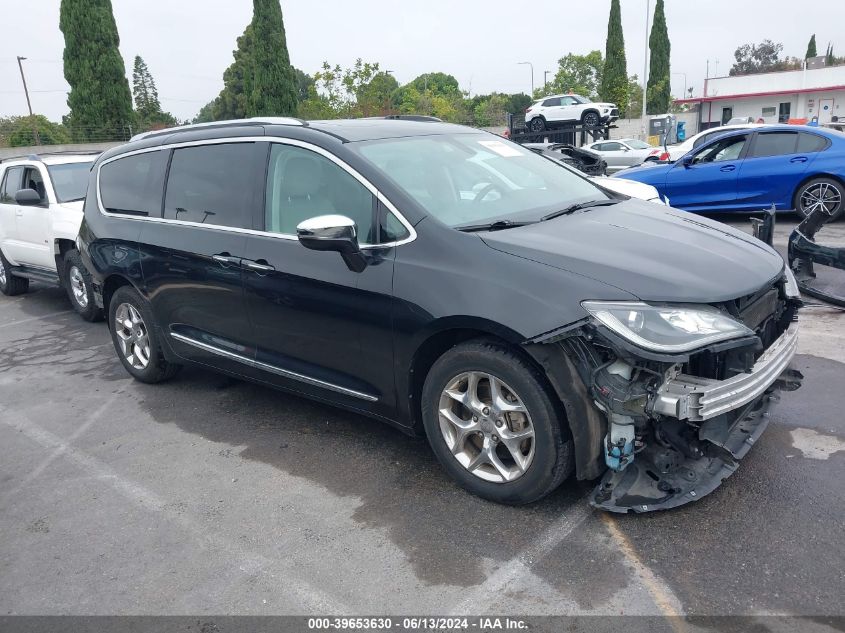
(686, 161)
(333, 233)
(28, 198)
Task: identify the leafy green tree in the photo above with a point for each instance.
(659, 93)
(375, 97)
(757, 58)
(635, 98)
(231, 103)
(436, 84)
(272, 89)
(614, 78)
(303, 84)
(580, 74)
(206, 113)
(811, 48)
(144, 87)
(99, 100)
(830, 58)
(21, 133)
(492, 111)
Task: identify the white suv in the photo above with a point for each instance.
(41, 200)
(550, 112)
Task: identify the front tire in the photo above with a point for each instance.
(9, 284)
(494, 424)
(135, 337)
(80, 291)
(826, 193)
(590, 119)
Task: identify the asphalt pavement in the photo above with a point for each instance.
(207, 495)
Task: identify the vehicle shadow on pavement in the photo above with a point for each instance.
(400, 485)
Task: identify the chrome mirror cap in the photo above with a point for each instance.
(327, 227)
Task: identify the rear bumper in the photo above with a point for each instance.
(697, 399)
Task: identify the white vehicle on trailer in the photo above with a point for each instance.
(554, 110)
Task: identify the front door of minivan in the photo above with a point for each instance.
(192, 260)
(319, 326)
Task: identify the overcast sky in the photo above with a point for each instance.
(187, 44)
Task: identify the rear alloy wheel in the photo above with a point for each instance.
(135, 338)
(590, 119)
(9, 284)
(538, 124)
(77, 281)
(820, 193)
(494, 424)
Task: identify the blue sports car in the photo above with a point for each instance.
(791, 166)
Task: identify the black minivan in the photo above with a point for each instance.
(530, 323)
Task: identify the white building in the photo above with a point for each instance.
(778, 97)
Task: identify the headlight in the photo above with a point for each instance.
(666, 328)
(790, 288)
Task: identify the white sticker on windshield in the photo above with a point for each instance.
(502, 149)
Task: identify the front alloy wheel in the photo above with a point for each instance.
(486, 426)
(132, 335)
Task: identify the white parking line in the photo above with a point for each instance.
(310, 599)
(482, 597)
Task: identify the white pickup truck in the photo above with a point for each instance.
(41, 200)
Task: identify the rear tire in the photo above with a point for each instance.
(80, 291)
(537, 124)
(826, 192)
(9, 284)
(135, 337)
(506, 443)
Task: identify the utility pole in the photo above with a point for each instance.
(685, 83)
(545, 81)
(645, 67)
(28, 104)
(532, 75)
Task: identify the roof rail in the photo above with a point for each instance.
(37, 157)
(270, 120)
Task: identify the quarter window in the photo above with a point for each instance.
(132, 185)
(774, 144)
(212, 184)
(302, 184)
(809, 143)
(11, 184)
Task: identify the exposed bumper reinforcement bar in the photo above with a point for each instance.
(697, 399)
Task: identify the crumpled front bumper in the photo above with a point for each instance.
(661, 477)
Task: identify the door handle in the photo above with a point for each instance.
(260, 266)
(728, 168)
(799, 159)
(226, 259)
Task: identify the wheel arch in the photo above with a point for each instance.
(61, 247)
(588, 110)
(110, 286)
(807, 179)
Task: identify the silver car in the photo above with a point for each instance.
(626, 152)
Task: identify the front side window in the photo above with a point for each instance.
(11, 184)
(302, 184)
(774, 144)
(133, 185)
(726, 149)
(212, 184)
(32, 179)
(70, 181)
(612, 147)
(470, 178)
(568, 101)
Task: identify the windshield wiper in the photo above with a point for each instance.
(577, 207)
(492, 226)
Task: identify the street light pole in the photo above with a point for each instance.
(685, 84)
(645, 67)
(532, 75)
(545, 81)
(28, 104)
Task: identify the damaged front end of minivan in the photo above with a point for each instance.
(669, 397)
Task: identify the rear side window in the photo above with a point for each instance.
(809, 143)
(548, 103)
(774, 144)
(11, 184)
(132, 185)
(212, 184)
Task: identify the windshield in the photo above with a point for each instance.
(70, 181)
(635, 144)
(471, 178)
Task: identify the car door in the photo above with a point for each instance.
(191, 254)
(569, 110)
(11, 183)
(321, 328)
(707, 178)
(774, 167)
(615, 154)
(32, 224)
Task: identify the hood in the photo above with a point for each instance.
(654, 253)
(628, 188)
(649, 173)
(73, 206)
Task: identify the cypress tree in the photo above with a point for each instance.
(659, 92)
(614, 78)
(100, 102)
(273, 86)
(811, 48)
(232, 101)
